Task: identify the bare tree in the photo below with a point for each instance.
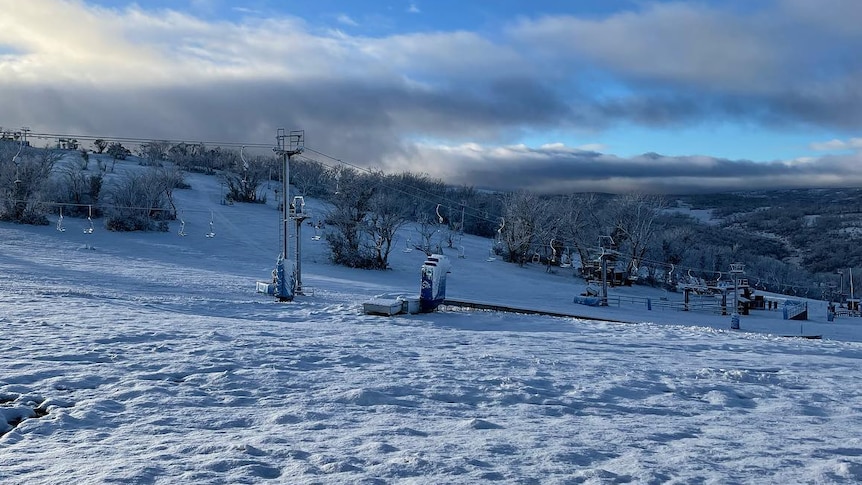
(117, 152)
(386, 216)
(309, 177)
(346, 220)
(218, 158)
(171, 178)
(24, 177)
(244, 183)
(580, 223)
(154, 152)
(100, 145)
(635, 224)
(526, 217)
(77, 190)
(185, 155)
(141, 201)
(429, 235)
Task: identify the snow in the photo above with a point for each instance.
(705, 216)
(149, 358)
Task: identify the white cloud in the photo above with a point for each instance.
(346, 20)
(837, 145)
(71, 40)
(413, 8)
(593, 147)
(56, 41)
(764, 50)
(207, 6)
(247, 11)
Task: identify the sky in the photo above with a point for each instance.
(553, 96)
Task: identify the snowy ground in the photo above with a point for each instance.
(148, 358)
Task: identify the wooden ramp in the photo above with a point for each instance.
(497, 307)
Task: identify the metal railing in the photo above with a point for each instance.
(696, 305)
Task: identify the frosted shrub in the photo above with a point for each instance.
(23, 183)
(140, 202)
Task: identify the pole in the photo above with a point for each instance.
(298, 252)
(604, 281)
(841, 278)
(736, 269)
(735, 293)
(285, 204)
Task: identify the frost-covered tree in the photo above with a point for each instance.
(526, 216)
(387, 214)
(345, 221)
(309, 177)
(77, 190)
(141, 201)
(100, 145)
(245, 178)
(117, 152)
(578, 223)
(24, 178)
(154, 152)
(185, 155)
(635, 225)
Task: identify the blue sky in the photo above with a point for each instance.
(546, 96)
(381, 18)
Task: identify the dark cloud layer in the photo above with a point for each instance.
(562, 171)
(365, 122)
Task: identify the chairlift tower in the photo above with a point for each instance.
(288, 144)
(736, 269)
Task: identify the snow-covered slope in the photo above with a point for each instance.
(149, 358)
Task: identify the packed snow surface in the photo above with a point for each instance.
(149, 358)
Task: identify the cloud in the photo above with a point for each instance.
(670, 42)
(560, 169)
(413, 8)
(772, 62)
(592, 147)
(207, 6)
(247, 11)
(346, 20)
(69, 66)
(837, 145)
(829, 18)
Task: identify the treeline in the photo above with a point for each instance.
(33, 184)
(782, 247)
(821, 228)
